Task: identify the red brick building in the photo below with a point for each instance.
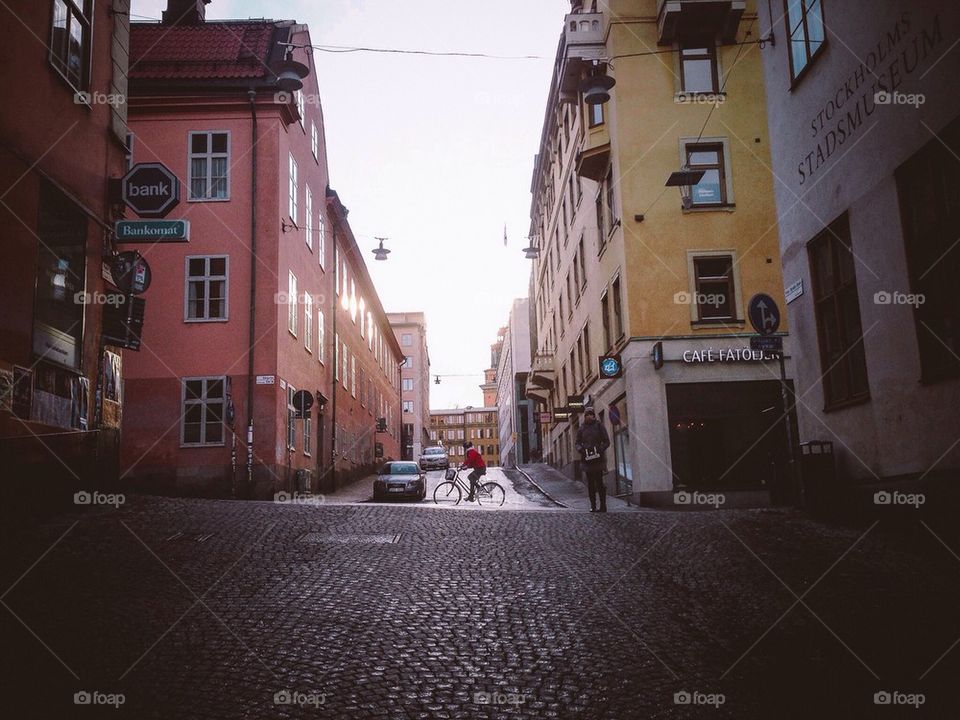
(245, 313)
(62, 136)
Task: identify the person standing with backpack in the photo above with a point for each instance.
(473, 460)
(592, 443)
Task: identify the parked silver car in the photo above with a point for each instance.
(434, 458)
(400, 479)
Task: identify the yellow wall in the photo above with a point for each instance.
(647, 124)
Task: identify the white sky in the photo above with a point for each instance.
(434, 153)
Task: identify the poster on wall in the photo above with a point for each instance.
(80, 405)
(112, 388)
(22, 391)
(52, 397)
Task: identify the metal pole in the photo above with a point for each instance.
(792, 474)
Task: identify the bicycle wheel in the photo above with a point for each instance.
(447, 493)
(491, 493)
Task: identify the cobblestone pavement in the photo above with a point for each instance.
(209, 609)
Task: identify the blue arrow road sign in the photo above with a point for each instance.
(764, 314)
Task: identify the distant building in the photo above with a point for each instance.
(518, 428)
(270, 297)
(489, 386)
(410, 330)
(865, 117)
(450, 428)
(63, 138)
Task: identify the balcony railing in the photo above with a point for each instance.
(584, 41)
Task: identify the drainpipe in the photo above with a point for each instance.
(251, 379)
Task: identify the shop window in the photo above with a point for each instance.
(837, 308)
(70, 40)
(202, 411)
(209, 177)
(927, 184)
(805, 33)
(60, 293)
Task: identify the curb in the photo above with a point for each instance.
(537, 486)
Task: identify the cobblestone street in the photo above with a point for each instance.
(209, 609)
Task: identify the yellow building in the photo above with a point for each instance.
(632, 268)
(451, 428)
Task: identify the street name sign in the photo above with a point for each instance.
(150, 189)
(150, 231)
(767, 343)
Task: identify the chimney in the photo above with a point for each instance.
(185, 12)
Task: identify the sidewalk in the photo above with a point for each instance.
(566, 492)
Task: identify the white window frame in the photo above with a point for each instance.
(206, 279)
(362, 310)
(292, 304)
(406, 339)
(291, 439)
(308, 322)
(308, 215)
(321, 237)
(353, 375)
(737, 305)
(321, 333)
(293, 190)
(315, 141)
(207, 379)
(408, 406)
(407, 384)
(209, 156)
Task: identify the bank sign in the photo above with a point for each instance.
(150, 189)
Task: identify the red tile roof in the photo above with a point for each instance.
(209, 51)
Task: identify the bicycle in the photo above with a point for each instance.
(450, 491)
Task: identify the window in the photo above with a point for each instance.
(569, 298)
(601, 228)
(315, 141)
(583, 265)
(321, 334)
(489, 449)
(408, 406)
(371, 330)
(605, 312)
(713, 280)
(595, 113)
(291, 419)
(202, 411)
(298, 96)
(927, 184)
(308, 322)
(307, 434)
(363, 315)
(353, 302)
(611, 204)
(336, 265)
(308, 211)
(353, 375)
(406, 339)
(805, 30)
(209, 166)
(408, 362)
(407, 384)
(294, 190)
(617, 308)
(321, 237)
(698, 67)
(206, 291)
(711, 190)
(70, 40)
(336, 356)
(345, 357)
(837, 309)
(292, 304)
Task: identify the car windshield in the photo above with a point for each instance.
(400, 469)
(433, 451)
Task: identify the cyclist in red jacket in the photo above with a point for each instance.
(475, 461)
